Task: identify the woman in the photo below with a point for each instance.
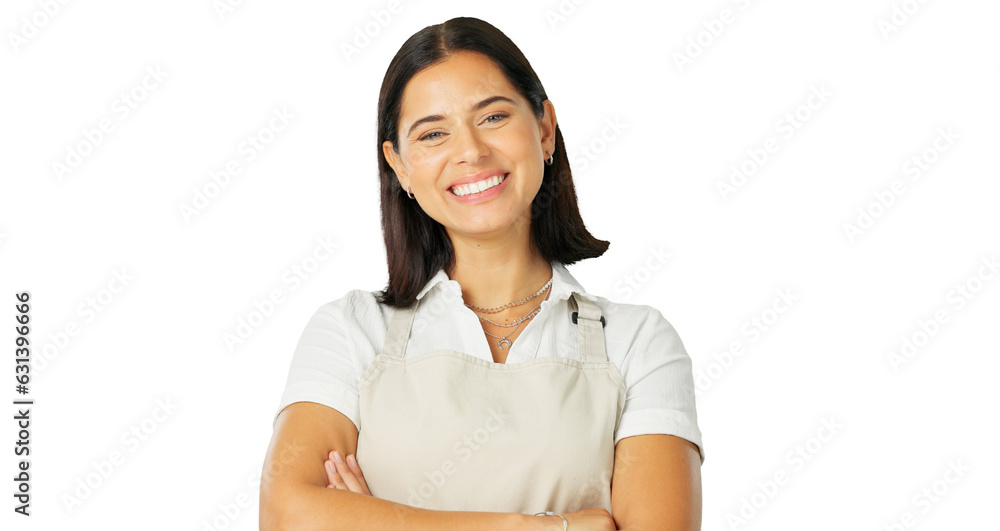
(480, 218)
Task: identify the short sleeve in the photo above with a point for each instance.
(659, 396)
(323, 369)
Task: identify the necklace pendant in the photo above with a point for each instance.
(501, 342)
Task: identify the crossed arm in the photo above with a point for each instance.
(656, 484)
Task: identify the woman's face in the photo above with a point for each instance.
(461, 122)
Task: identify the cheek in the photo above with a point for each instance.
(420, 158)
(528, 148)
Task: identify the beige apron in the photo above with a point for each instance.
(448, 431)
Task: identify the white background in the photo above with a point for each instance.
(652, 189)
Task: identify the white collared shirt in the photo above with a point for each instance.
(343, 337)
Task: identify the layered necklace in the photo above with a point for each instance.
(517, 323)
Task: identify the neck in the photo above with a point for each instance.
(497, 271)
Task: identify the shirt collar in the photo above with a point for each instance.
(563, 284)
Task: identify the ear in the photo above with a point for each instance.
(395, 162)
(547, 127)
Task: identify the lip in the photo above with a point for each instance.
(485, 195)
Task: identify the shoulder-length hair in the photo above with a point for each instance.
(416, 245)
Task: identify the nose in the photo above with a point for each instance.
(470, 146)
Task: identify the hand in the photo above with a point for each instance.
(345, 475)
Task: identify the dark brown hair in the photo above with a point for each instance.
(417, 246)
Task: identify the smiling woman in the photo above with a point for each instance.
(484, 386)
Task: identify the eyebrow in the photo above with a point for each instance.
(476, 107)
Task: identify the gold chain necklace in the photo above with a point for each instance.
(509, 304)
(534, 311)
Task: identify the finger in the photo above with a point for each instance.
(331, 472)
(333, 476)
(346, 475)
(352, 463)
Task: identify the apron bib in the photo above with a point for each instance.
(449, 431)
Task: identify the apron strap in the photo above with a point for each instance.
(590, 323)
(399, 331)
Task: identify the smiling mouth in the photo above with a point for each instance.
(478, 187)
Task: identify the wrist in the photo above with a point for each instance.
(550, 521)
(538, 523)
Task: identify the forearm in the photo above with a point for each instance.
(310, 508)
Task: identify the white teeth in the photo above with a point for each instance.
(477, 187)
